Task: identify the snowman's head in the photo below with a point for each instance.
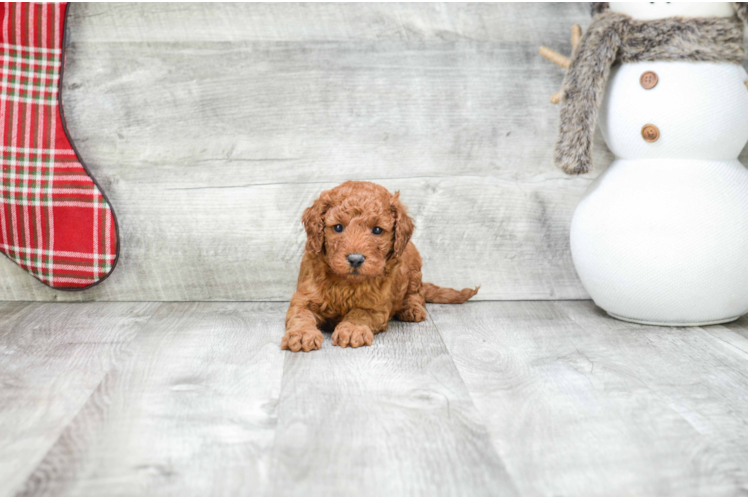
(648, 11)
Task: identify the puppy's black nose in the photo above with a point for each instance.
(355, 259)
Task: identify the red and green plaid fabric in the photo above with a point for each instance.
(54, 220)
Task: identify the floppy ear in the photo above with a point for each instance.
(742, 9)
(403, 225)
(314, 223)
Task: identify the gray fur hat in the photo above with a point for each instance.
(741, 7)
(617, 38)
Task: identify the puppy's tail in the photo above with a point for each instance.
(444, 295)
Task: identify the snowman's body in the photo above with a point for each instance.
(662, 236)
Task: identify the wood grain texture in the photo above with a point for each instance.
(189, 410)
(52, 358)
(194, 405)
(212, 126)
(580, 404)
(312, 22)
(532, 398)
(212, 137)
(392, 419)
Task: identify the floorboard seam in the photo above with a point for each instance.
(727, 342)
(663, 395)
(273, 455)
(23, 489)
(477, 411)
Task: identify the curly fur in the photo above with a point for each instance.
(616, 38)
(358, 303)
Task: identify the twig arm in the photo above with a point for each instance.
(576, 35)
(562, 60)
(555, 57)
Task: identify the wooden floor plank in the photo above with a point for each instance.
(581, 404)
(52, 357)
(392, 419)
(189, 411)
(535, 398)
(735, 333)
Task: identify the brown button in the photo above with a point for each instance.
(648, 79)
(650, 133)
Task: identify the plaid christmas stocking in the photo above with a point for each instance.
(55, 222)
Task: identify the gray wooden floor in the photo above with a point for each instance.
(532, 398)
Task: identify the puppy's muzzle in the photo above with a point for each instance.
(355, 259)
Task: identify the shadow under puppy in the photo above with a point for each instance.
(359, 270)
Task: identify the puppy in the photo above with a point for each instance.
(359, 270)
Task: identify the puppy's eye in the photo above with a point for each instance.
(338, 228)
(377, 230)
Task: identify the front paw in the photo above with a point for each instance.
(302, 340)
(414, 314)
(349, 334)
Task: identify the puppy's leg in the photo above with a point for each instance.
(302, 328)
(413, 309)
(359, 326)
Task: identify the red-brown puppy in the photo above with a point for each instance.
(359, 270)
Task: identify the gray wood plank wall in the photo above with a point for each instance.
(212, 126)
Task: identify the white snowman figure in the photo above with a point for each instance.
(660, 237)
